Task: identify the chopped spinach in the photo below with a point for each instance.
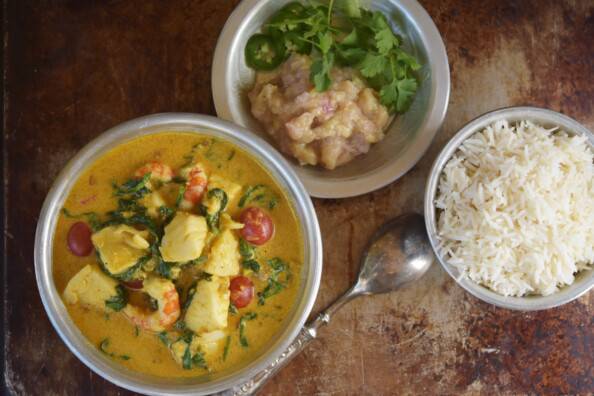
(180, 195)
(198, 360)
(274, 284)
(187, 359)
(164, 338)
(103, 348)
(248, 256)
(242, 323)
(189, 296)
(136, 331)
(231, 155)
(119, 301)
(166, 214)
(131, 273)
(216, 203)
(133, 188)
(246, 197)
(246, 250)
(232, 309)
(261, 194)
(180, 325)
(226, 349)
(91, 217)
(199, 261)
(189, 158)
(251, 265)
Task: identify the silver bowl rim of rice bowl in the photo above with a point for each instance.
(584, 280)
(408, 135)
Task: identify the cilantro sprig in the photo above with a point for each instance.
(345, 34)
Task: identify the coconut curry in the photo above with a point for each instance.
(177, 255)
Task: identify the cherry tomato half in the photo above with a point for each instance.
(258, 227)
(79, 239)
(242, 291)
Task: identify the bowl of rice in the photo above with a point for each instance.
(509, 208)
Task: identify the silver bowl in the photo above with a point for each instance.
(282, 173)
(408, 136)
(547, 118)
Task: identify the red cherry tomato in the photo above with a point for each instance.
(258, 227)
(135, 284)
(79, 239)
(242, 291)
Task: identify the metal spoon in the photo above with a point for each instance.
(399, 253)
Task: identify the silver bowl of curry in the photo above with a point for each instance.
(111, 315)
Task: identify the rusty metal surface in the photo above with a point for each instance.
(74, 69)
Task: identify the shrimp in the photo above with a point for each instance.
(195, 185)
(158, 171)
(168, 309)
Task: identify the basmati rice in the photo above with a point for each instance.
(516, 208)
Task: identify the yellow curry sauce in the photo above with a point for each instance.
(142, 350)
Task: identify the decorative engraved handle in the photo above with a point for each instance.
(306, 335)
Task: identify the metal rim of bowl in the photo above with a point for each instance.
(537, 115)
(322, 187)
(191, 123)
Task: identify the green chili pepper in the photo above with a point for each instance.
(262, 52)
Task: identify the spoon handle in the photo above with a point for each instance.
(307, 334)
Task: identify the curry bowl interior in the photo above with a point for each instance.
(408, 135)
(188, 123)
(584, 280)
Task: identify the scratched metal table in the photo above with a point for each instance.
(75, 68)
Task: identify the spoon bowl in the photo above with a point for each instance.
(397, 254)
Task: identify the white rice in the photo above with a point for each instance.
(517, 208)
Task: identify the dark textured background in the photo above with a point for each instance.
(75, 68)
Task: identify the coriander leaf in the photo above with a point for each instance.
(325, 42)
(385, 40)
(351, 8)
(378, 21)
(320, 72)
(389, 95)
(372, 65)
(407, 59)
(406, 91)
(351, 39)
(350, 56)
